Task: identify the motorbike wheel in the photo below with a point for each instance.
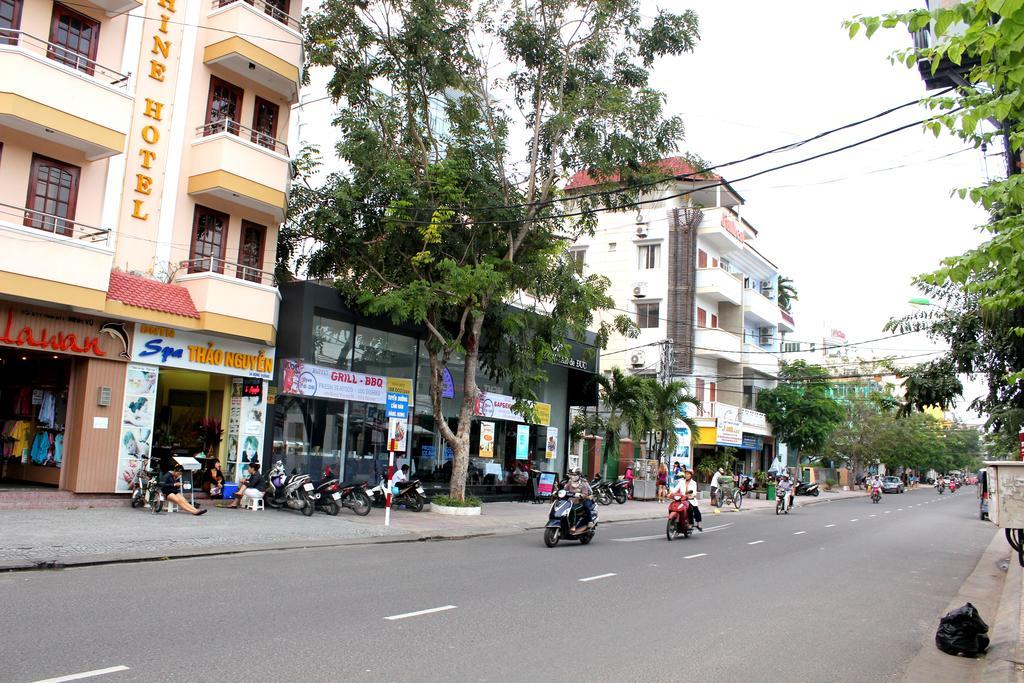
(309, 508)
(780, 506)
(137, 500)
(332, 508)
(816, 492)
(670, 530)
(551, 536)
(686, 530)
(158, 505)
(587, 537)
(361, 504)
(416, 503)
(272, 502)
(620, 497)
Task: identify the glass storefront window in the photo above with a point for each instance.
(308, 434)
(366, 455)
(332, 342)
(384, 353)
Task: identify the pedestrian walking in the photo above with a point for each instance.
(663, 482)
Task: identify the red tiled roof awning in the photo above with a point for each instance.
(671, 166)
(141, 292)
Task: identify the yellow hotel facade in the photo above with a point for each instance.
(143, 181)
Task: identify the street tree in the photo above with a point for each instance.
(458, 121)
(787, 294)
(626, 401)
(801, 409)
(668, 404)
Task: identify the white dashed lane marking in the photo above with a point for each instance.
(829, 525)
(797, 533)
(690, 557)
(599, 576)
(85, 674)
(755, 542)
(421, 612)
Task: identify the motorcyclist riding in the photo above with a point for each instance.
(577, 484)
(688, 487)
(785, 487)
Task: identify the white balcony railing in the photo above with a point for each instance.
(243, 132)
(270, 9)
(64, 56)
(719, 284)
(57, 225)
(230, 269)
(753, 418)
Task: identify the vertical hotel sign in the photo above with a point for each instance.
(158, 68)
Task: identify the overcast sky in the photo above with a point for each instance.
(766, 74)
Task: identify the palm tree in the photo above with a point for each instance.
(668, 402)
(626, 398)
(787, 294)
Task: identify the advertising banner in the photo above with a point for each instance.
(486, 439)
(730, 429)
(316, 381)
(551, 444)
(246, 423)
(398, 435)
(35, 328)
(136, 423)
(523, 442)
(753, 442)
(171, 348)
(500, 406)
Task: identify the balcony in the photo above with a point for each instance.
(270, 53)
(115, 7)
(241, 166)
(718, 284)
(760, 360)
(232, 298)
(712, 342)
(43, 256)
(786, 322)
(59, 96)
(721, 230)
(765, 311)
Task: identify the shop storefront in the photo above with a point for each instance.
(338, 369)
(61, 376)
(193, 394)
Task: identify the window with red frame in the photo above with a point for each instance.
(223, 107)
(52, 196)
(702, 317)
(264, 123)
(712, 392)
(714, 320)
(250, 252)
(702, 258)
(209, 230)
(10, 21)
(698, 389)
(74, 39)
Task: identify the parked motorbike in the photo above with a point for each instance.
(293, 491)
(747, 485)
(410, 494)
(678, 517)
(565, 520)
(326, 496)
(145, 485)
(876, 494)
(620, 490)
(804, 488)
(602, 490)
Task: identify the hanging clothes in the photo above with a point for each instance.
(23, 404)
(47, 409)
(40, 446)
(58, 449)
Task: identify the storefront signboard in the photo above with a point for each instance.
(752, 442)
(546, 484)
(137, 419)
(250, 413)
(317, 381)
(500, 406)
(43, 329)
(172, 348)
(523, 442)
(551, 444)
(447, 383)
(730, 429)
(486, 440)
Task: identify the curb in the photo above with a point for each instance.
(1004, 656)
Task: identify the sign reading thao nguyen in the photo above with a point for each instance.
(171, 348)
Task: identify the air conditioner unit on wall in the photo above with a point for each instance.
(765, 334)
(639, 290)
(636, 360)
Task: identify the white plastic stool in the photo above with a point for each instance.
(170, 507)
(252, 503)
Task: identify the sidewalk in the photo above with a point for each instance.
(34, 538)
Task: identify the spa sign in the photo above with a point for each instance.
(172, 348)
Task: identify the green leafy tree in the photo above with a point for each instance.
(439, 219)
(626, 400)
(801, 409)
(787, 294)
(850, 444)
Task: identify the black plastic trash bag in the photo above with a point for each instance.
(962, 632)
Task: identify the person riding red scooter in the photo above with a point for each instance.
(952, 486)
(678, 516)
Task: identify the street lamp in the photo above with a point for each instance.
(921, 301)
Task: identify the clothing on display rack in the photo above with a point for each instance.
(15, 437)
(47, 409)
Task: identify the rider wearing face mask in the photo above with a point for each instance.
(688, 487)
(577, 484)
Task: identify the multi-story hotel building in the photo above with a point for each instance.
(142, 185)
(704, 298)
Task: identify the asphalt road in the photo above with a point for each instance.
(847, 591)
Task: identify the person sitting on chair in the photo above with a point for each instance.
(170, 486)
(253, 486)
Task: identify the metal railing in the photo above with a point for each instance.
(237, 129)
(63, 55)
(209, 264)
(57, 225)
(272, 11)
